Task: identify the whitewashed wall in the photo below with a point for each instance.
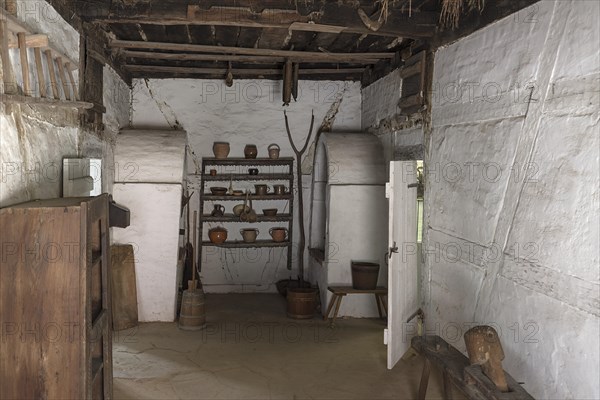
(35, 139)
(249, 112)
(512, 194)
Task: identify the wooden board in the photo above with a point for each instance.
(124, 292)
(40, 310)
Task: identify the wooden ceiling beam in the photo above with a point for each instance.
(240, 71)
(332, 18)
(306, 56)
(150, 55)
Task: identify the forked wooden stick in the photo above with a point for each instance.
(302, 241)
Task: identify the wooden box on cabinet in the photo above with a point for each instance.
(54, 300)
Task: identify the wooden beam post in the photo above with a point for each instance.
(52, 74)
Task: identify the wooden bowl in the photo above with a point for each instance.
(218, 191)
(269, 212)
(238, 192)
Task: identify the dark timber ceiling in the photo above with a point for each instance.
(328, 38)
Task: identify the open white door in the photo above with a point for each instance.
(402, 269)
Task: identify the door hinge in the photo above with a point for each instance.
(388, 190)
(385, 336)
(393, 249)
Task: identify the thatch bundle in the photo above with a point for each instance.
(452, 9)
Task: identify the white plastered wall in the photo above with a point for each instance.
(35, 139)
(250, 112)
(512, 194)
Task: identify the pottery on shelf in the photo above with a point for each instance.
(249, 234)
(269, 212)
(218, 211)
(221, 149)
(278, 234)
(218, 191)
(217, 235)
(250, 151)
(237, 210)
(273, 151)
(261, 190)
(279, 189)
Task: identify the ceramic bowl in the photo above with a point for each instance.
(218, 191)
(237, 210)
(269, 212)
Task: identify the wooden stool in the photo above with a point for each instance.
(340, 291)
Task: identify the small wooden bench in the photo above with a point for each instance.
(457, 372)
(340, 291)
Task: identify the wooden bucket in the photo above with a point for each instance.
(193, 315)
(301, 302)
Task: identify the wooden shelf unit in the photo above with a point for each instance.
(241, 165)
(55, 297)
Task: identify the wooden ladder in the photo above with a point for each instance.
(48, 62)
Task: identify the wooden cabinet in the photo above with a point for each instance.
(54, 300)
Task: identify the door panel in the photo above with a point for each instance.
(402, 269)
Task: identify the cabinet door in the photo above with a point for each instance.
(99, 342)
(40, 308)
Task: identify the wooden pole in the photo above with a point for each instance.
(193, 255)
(72, 80)
(63, 78)
(298, 153)
(8, 76)
(37, 52)
(24, 63)
(52, 74)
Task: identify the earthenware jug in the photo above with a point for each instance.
(218, 211)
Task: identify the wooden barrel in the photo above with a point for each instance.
(193, 315)
(301, 302)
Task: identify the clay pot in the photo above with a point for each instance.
(261, 190)
(273, 151)
(249, 235)
(250, 151)
(278, 234)
(217, 235)
(221, 149)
